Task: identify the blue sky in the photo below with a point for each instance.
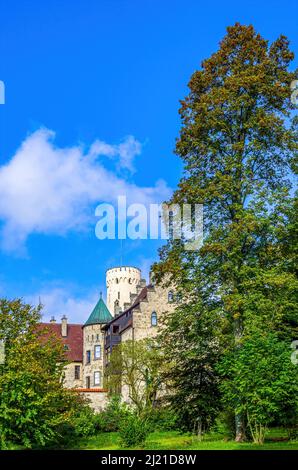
(104, 75)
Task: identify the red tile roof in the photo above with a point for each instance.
(73, 340)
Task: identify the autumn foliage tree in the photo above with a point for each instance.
(238, 143)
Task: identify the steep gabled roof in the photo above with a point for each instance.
(100, 314)
(73, 342)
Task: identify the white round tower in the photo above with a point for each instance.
(121, 282)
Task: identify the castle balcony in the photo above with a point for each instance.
(112, 340)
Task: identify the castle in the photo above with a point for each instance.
(133, 312)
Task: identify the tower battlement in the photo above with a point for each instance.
(121, 281)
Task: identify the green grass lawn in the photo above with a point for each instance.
(173, 440)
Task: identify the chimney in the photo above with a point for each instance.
(64, 326)
(53, 320)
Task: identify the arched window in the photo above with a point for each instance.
(153, 319)
(170, 296)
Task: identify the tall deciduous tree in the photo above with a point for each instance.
(239, 144)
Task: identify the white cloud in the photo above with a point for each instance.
(60, 300)
(126, 152)
(45, 189)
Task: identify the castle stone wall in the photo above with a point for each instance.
(93, 336)
(69, 375)
(97, 400)
(157, 301)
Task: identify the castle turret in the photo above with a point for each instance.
(121, 283)
(93, 349)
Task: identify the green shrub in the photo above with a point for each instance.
(109, 419)
(88, 423)
(84, 423)
(133, 430)
(293, 433)
(114, 413)
(163, 419)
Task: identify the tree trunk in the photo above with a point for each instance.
(239, 428)
(239, 418)
(199, 429)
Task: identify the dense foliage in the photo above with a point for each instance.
(34, 405)
(261, 381)
(133, 430)
(239, 146)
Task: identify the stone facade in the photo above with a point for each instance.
(93, 348)
(97, 398)
(73, 375)
(88, 347)
(147, 316)
(142, 319)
